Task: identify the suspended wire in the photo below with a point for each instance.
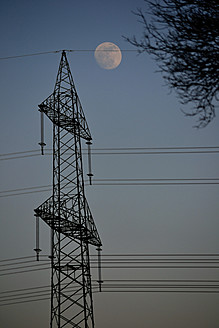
(124, 291)
(157, 179)
(146, 266)
(116, 256)
(164, 280)
(120, 261)
(25, 291)
(19, 263)
(123, 255)
(12, 295)
(23, 271)
(24, 267)
(160, 148)
(155, 182)
(21, 258)
(16, 258)
(163, 254)
(30, 55)
(19, 157)
(27, 188)
(25, 193)
(123, 151)
(173, 261)
(172, 281)
(155, 150)
(58, 51)
(21, 152)
(161, 291)
(117, 261)
(118, 182)
(30, 294)
(138, 259)
(152, 286)
(21, 302)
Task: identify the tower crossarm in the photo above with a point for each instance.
(67, 114)
(70, 222)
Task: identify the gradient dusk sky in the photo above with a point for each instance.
(128, 107)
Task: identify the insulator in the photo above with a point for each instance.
(37, 249)
(42, 143)
(89, 174)
(100, 281)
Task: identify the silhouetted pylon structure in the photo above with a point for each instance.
(67, 212)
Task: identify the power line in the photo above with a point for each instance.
(160, 148)
(123, 151)
(107, 258)
(24, 271)
(156, 287)
(135, 267)
(125, 255)
(30, 55)
(25, 193)
(155, 182)
(27, 188)
(116, 256)
(58, 51)
(18, 258)
(165, 254)
(119, 182)
(20, 302)
(121, 280)
(146, 264)
(22, 258)
(120, 261)
(124, 291)
(19, 157)
(19, 263)
(161, 291)
(24, 267)
(21, 152)
(24, 291)
(42, 291)
(113, 283)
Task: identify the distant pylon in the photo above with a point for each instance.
(67, 211)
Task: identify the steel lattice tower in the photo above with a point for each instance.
(67, 211)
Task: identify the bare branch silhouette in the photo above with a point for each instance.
(182, 36)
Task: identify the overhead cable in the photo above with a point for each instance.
(58, 51)
(119, 182)
(122, 151)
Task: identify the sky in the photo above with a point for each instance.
(128, 107)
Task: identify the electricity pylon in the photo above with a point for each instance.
(67, 212)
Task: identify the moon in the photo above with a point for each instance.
(108, 55)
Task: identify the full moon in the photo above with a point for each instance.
(108, 55)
